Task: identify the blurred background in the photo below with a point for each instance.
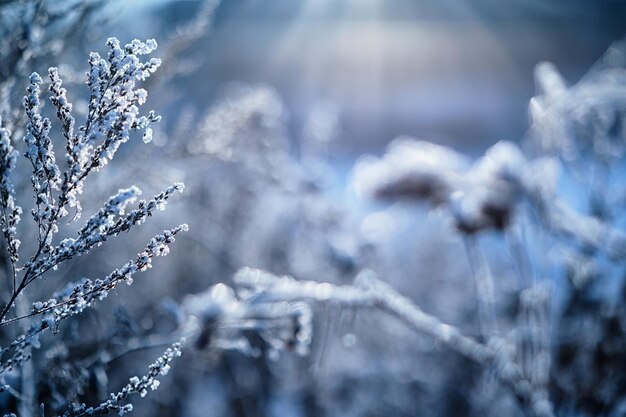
(454, 72)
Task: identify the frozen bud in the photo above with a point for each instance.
(410, 170)
(549, 81)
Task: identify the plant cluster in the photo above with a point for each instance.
(541, 224)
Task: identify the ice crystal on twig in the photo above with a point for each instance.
(136, 385)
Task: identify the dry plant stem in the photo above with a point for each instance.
(326, 331)
(534, 316)
(14, 295)
(10, 268)
(27, 276)
(485, 288)
(26, 396)
(27, 370)
(184, 37)
(523, 269)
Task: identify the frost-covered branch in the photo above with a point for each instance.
(101, 226)
(260, 287)
(218, 319)
(46, 176)
(10, 215)
(76, 297)
(136, 385)
(113, 113)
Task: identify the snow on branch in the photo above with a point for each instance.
(136, 385)
(258, 287)
(76, 297)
